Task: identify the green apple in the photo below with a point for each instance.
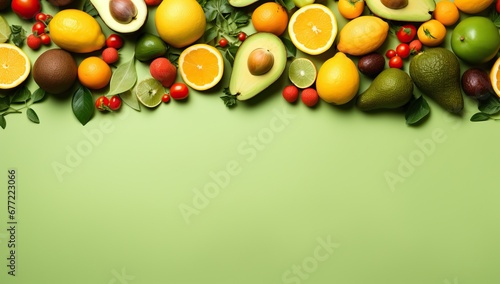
(302, 3)
(475, 40)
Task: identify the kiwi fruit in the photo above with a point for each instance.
(55, 71)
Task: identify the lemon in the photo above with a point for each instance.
(76, 31)
(362, 35)
(302, 72)
(180, 22)
(338, 79)
(149, 92)
(473, 6)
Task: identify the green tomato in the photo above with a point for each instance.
(475, 40)
(302, 3)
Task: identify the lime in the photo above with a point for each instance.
(149, 92)
(302, 72)
(4, 30)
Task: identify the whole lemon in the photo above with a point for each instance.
(473, 6)
(180, 22)
(76, 31)
(362, 35)
(338, 80)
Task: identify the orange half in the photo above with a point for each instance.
(495, 77)
(15, 66)
(313, 29)
(201, 66)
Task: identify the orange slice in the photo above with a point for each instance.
(15, 66)
(313, 29)
(201, 66)
(495, 77)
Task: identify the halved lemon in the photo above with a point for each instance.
(201, 66)
(313, 29)
(495, 77)
(15, 66)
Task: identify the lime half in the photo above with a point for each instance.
(4, 30)
(302, 72)
(149, 92)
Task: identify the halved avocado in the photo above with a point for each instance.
(137, 22)
(415, 11)
(243, 84)
(241, 3)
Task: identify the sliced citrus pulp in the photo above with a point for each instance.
(15, 66)
(495, 77)
(313, 29)
(4, 30)
(201, 66)
(302, 72)
(149, 92)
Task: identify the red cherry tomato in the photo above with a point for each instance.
(396, 62)
(115, 41)
(165, 98)
(179, 91)
(242, 36)
(406, 33)
(45, 39)
(38, 28)
(403, 50)
(102, 103)
(115, 102)
(26, 9)
(498, 6)
(42, 17)
(416, 46)
(223, 42)
(34, 42)
(390, 53)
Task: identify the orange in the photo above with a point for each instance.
(473, 6)
(313, 28)
(94, 73)
(270, 17)
(351, 9)
(495, 77)
(15, 66)
(201, 66)
(431, 33)
(446, 12)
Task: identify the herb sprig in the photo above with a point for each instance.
(25, 98)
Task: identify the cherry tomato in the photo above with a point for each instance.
(390, 53)
(115, 102)
(416, 46)
(26, 9)
(165, 98)
(115, 41)
(406, 33)
(102, 103)
(223, 42)
(45, 39)
(242, 36)
(498, 6)
(42, 17)
(34, 42)
(179, 91)
(403, 50)
(38, 28)
(396, 62)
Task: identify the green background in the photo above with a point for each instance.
(275, 192)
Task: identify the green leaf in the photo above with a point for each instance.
(90, 9)
(480, 116)
(37, 95)
(18, 35)
(210, 34)
(288, 4)
(3, 122)
(229, 99)
(32, 115)
(417, 110)
(291, 50)
(131, 100)
(21, 95)
(4, 103)
(490, 106)
(210, 10)
(123, 78)
(83, 105)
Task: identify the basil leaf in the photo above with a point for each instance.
(37, 95)
(32, 115)
(417, 110)
(490, 106)
(18, 35)
(480, 116)
(3, 122)
(288, 4)
(21, 95)
(83, 104)
(129, 99)
(123, 78)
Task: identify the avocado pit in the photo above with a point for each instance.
(123, 11)
(260, 61)
(395, 4)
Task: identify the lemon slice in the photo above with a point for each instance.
(302, 72)
(149, 92)
(15, 66)
(4, 30)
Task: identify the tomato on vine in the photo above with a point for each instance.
(396, 62)
(102, 103)
(38, 28)
(390, 53)
(406, 33)
(45, 39)
(403, 50)
(115, 103)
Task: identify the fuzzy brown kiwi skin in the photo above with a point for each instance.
(55, 71)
